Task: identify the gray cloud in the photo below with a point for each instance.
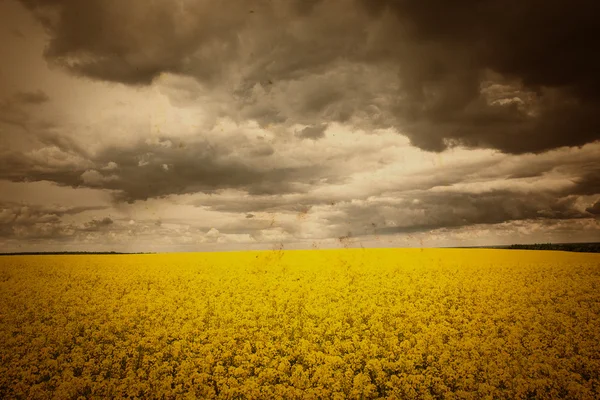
(240, 147)
(313, 132)
(145, 169)
(485, 191)
(260, 203)
(429, 211)
(38, 97)
(40, 222)
(17, 33)
(475, 73)
(588, 182)
(595, 209)
(97, 224)
(14, 111)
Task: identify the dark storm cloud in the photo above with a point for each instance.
(48, 164)
(37, 222)
(554, 175)
(481, 73)
(312, 132)
(595, 209)
(543, 47)
(134, 42)
(146, 170)
(588, 181)
(429, 211)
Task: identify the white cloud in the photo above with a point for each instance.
(111, 166)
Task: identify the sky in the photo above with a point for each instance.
(201, 125)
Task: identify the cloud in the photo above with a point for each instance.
(469, 188)
(93, 178)
(48, 163)
(142, 170)
(14, 109)
(31, 222)
(476, 73)
(588, 181)
(303, 190)
(38, 97)
(436, 210)
(298, 121)
(111, 165)
(313, 132)
(263, 150)
(97, 224)
(17, 33)
(595, 209)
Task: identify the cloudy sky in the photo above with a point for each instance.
(190, 125)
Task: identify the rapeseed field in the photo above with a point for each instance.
(328, 324)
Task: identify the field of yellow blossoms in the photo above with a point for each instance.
(329, 324)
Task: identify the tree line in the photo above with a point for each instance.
(578, 247)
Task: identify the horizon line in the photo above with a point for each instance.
(514, 246)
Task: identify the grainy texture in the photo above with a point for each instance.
(448, 324)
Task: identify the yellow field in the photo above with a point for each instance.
(444, 323)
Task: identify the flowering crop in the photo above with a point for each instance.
(359, 324)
